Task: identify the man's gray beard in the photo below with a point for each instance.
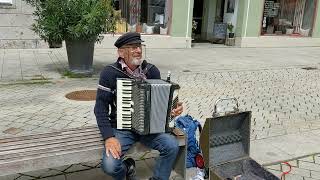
(136, 62)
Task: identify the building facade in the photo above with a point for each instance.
(163, 23)
(264, 23)
(179, 23)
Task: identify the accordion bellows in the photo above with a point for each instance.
(144, 106)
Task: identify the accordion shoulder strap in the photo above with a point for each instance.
(144, 71)
(147, 68)
(123, 72)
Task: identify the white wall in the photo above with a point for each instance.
(231, 17)
(15, 27)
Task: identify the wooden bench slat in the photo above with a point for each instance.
(51, 146)
(48, 134)
(66, 147)
(50, 151)
(48, 141)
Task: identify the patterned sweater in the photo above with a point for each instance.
(106, 95)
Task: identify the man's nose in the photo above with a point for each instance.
(139, 49)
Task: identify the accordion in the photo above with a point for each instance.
(144, 106)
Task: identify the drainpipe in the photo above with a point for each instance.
(248, 7)
(188, 19)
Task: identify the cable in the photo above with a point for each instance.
(282, 177)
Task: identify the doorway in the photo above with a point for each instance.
(197, 20)
(205, 14)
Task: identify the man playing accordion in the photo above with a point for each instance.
(130, 64)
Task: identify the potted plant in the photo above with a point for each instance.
(79, 23)
(230, 29)
(45, 34)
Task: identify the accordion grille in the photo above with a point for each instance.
(138, 116)
(159, 106)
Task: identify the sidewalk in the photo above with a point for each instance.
(25, 64)
(270, 82)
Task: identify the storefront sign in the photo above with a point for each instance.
(220, 30)
(271, 9)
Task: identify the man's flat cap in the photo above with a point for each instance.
(128, 38)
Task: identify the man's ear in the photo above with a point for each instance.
(121, 53)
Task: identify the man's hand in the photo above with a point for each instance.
(178, 110)
(113, 146)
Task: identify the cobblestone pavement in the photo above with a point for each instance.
(283, 101)
(283, 97)
(306, 168)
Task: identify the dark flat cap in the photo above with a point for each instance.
(128, 38)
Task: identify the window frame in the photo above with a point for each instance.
(286, 35)
(125, 4)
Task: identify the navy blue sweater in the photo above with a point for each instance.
(106, 96)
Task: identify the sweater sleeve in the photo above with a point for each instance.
(103, 100)
(154, 73)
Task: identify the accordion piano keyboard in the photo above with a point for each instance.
(124, 104)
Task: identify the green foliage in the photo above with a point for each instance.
(194, 25)
(230, 27)
(58, 20)
(70, 74)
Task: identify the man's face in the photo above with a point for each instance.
(132, 54)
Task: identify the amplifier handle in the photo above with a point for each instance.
(235, 109)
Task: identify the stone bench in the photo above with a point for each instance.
(71, 146)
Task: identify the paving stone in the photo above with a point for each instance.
(10, 177)
(96, 174)
(276, 167)
(293, 163)
(62, 168)
(308, 159)
(60, 177)
(310, 178)
(76, 167)
(275, 172)
(13, 131)
(42, 173)
(310, 166)
(317, 159)
(92, 164)
(22, 177)
(293, 177)
(299, 171)
(315, 174)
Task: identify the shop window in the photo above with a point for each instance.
(288, 17)
(6, 2)
(144, 16)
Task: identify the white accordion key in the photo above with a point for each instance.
(124, 99)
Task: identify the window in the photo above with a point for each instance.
(288, 17)
(144, 16)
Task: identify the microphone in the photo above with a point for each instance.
(168, 76)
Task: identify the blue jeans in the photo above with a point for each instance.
(166, 144)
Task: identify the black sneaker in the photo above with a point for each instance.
(131, 169)
(153, 178)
